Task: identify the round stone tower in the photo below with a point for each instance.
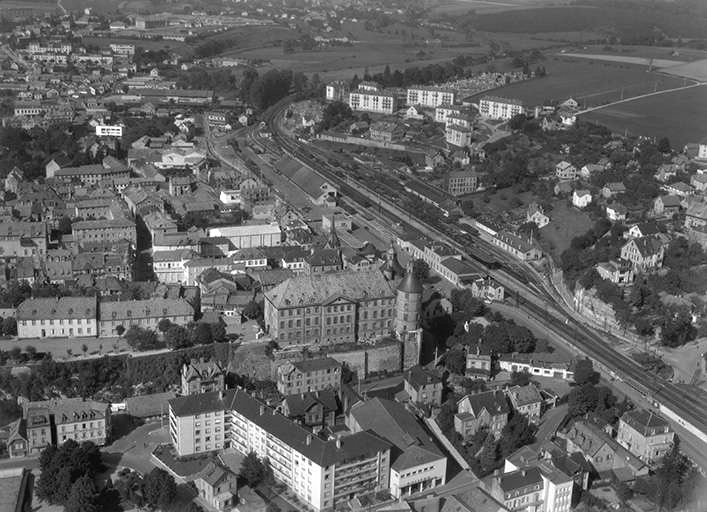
(408, 304)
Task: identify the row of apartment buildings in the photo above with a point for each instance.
(89, 316)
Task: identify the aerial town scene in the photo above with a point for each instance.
(353, 255)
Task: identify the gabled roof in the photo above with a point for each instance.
(299, 404)
(494, 402)
(524, 395)
(418, 377)
(645, 421)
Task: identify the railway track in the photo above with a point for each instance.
(692, 409)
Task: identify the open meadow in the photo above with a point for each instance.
(590, 82)
(678, 115)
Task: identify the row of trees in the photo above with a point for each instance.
(174, 336)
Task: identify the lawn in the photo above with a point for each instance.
(679, 115)
(566, 222)
(589, 82)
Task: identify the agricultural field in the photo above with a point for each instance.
(679, 115)
(485, 6)
(590, 82)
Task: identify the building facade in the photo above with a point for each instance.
(142, 313)
(202, 377)
(492, 107)
(322, 474)
(308, 375)
(430, 96)
(645, 434)
(57, 317)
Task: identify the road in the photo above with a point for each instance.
(656, 93)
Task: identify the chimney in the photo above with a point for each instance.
(262, 409)
(338, 442)
(309, 439)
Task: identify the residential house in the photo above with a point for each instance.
(478, 365)
(520, 490)
(642, 229)
(644, 253)
(619, 273)
(645, 434)
(416, 464)
(679, 188)
(526, 400)
(565, 171)
(697, 180)
(170, 266)
(53, 422)
(308, 375)
(459, 183)
(200, 376)
(487, 289)
(581, 198)
(616, 212)
(613, 189)
(558, 484)
(312, 409)
(536, 214)
(217, 486)
(588, 170)
(603, 452)
(488, 409)
(696, 215)
(423, 386)
(665, 172)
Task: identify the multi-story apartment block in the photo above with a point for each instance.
(488, 409)
(202, 377)
(104, 230)
(322, 474)
(339, 307)
(142, 313)
(430, 96)
(460, 183)
(373, 101)
(458, 135)
(645, 434)
(103, 263)
(57, 317)
(170, 266)
(122, 49)
(493, 107)
(417, 465)
(443, 112)
(337, 91)
(308, 375)
(53, 422)
(90, 174)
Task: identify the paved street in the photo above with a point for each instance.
(549, 423)
(134, 449)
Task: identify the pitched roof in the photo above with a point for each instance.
(70, 410)
(57, 308)
(647, 245)
(524, 395)
(519, 479)
(315, 365)
(149, 308)
(418, 377)
(317, 289)
(298, 404)
(492, 401)
(645, 421)
(323, 453)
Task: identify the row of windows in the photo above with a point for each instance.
(73, 321)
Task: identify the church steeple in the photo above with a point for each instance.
(332, 241)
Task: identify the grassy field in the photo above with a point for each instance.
(589, 82)
(678, 115)
(182, 49)
(566, 222)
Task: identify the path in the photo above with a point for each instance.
(592, 109)
(432, 425)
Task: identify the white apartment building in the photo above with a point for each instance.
(557, 486)
(430, 96)
(458, 135)
(53, 318)
(372, 101)
(122, 49)
(170, 266)
(493, 107)
(56, 48)
(105, 130)
(322, 474)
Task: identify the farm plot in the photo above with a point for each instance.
(678, 115)
(589, 82)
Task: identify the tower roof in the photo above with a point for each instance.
(410, 284)
(333, 239)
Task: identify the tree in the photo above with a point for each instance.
(9, 326)
(334, 114)
(252, 469)
(159, 488)
(201, 335)
(252, 310)
(141, 339)
(489, 454)
(582, 399)
(584, 372)
(517, 122)
(420, 269)
(62, 466)
(163, 325)
(455, 361)
(177, 336)
(218, 331)
(516, 433)
(82, 497)
(120, 330)
(520, 378)
(664, 145)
